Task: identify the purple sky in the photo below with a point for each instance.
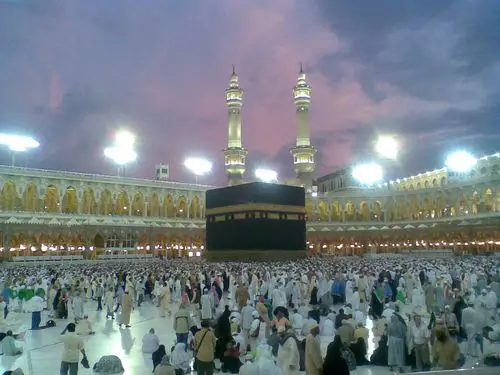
(72, 72)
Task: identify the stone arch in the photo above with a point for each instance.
(99, 241)
(475, 202)
(377, 210)
(488, 200)
(181, 207)
(427, 184)
(31, 199)
(413, 208)
(51, 199)
(495, 169)
(364, 211)
(138, 204)
(335, 212)
(195, 208)
(426, 208)
(434, 182)
(122, 204)
(9, 196)
(411, 187)
(154, 206)
(106, 203)
(419, 185)
(169, 207)
(441, 205)
(89, 204)
(322, 211)
(70, 201)
(443, 181)
(309, 210)
(350, 211)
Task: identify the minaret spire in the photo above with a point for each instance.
(234, 154)
(303, 153)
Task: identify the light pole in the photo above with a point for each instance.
(266, 175)
(17, 143)
(198, 166)
(122, 151)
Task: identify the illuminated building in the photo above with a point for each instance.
(46, 212)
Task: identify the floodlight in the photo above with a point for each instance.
(122, 151)
(266, 175)
(387, 147)
(120, 156)
(18, 143)
(368, 174)
(460, 161)
(198, 166)
(124, 139)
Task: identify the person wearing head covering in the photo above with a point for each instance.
(150, 342)
(8, 345)
(471, 324)
(314, 361)
(445, 352)
(396, 332)
(158, 355)
(164, 299)
(242, 296)
(334, 362)
(207, 305)
(328, 328)
(179, 359)
(127, 305)
(450, 321)
(263, 313)
(164, 367)
(249, 368)
(288, 358)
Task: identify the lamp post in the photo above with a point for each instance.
(266, 175)
(198, 166)
(122, 151)
(17, 143)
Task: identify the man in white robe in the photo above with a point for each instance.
(288, 358)
(207, 305)
(471, 323)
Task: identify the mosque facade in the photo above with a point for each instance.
(47, 213)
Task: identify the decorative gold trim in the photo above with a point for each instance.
(256, 207)
(254, 255)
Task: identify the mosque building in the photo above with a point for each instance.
(46, 213)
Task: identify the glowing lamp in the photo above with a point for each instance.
(460, 162)
(368, 174)
(266, 175)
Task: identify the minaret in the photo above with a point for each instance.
(303, 152)
(234, 154)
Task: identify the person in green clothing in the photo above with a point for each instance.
(401, 296)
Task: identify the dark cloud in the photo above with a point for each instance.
(426, 70)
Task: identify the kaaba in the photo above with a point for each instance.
(255, 221)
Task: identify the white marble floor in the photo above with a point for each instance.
(42, 349)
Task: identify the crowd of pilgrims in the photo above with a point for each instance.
(274, 316)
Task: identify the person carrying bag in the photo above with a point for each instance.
(204, 343)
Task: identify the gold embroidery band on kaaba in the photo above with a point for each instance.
(253, 207)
